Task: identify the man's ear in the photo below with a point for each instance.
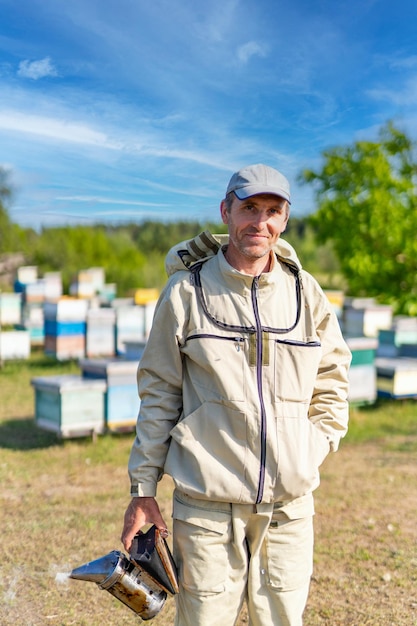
(224, 212)
(285, 223)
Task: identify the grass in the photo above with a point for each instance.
(62, 504)
(391, 422)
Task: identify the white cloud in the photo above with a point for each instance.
(37, 69)
(400, 97)
(112, 201)
(219, 20)
(150, 143)
(250, 49)
(60, 130)
(409, 62)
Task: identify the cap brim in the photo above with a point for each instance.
(253, 190)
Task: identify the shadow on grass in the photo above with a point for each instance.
(24, 434)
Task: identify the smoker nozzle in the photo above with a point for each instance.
(97, 571)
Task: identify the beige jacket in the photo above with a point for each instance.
(243, 381)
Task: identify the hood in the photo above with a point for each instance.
(206, 245)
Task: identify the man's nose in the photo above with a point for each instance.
(259, 219)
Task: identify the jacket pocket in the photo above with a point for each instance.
(215, 364)
(202, 530)
(208, 452)
(302, 447)
(296, 366)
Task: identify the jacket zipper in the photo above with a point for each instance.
(238, 340)
(294, 342)
(259, 361)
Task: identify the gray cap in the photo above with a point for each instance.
(259, 178)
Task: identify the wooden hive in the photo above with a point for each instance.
(69, 405)
(121, 398)
(362, 372)
(396, 377)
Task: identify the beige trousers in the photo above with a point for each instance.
(228, 553)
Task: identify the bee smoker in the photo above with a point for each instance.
(141, 581)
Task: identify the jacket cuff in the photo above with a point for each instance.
(143, 491)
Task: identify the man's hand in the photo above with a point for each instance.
(141, 511)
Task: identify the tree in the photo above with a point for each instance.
(6, 226)
(70, 249)
(319, 260)
(367, 209)
(13, 238)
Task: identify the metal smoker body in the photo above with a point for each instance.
(130, 584)
(127, 579)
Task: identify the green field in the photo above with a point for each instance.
(63, 504)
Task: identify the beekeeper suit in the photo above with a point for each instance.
(243, 387)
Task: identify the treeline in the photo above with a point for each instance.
(363, 229)
(133, 254)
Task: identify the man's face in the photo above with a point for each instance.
(255, 225)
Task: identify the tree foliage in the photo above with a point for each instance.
(70, 249)
(367, 209)
(159, 237)
(12, 237)
(318, 259)
(132, 254)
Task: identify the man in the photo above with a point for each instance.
(243, 387)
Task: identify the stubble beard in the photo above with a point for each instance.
(254, 252)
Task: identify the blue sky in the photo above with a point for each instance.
(117, 110)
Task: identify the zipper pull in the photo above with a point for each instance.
(238, 343)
